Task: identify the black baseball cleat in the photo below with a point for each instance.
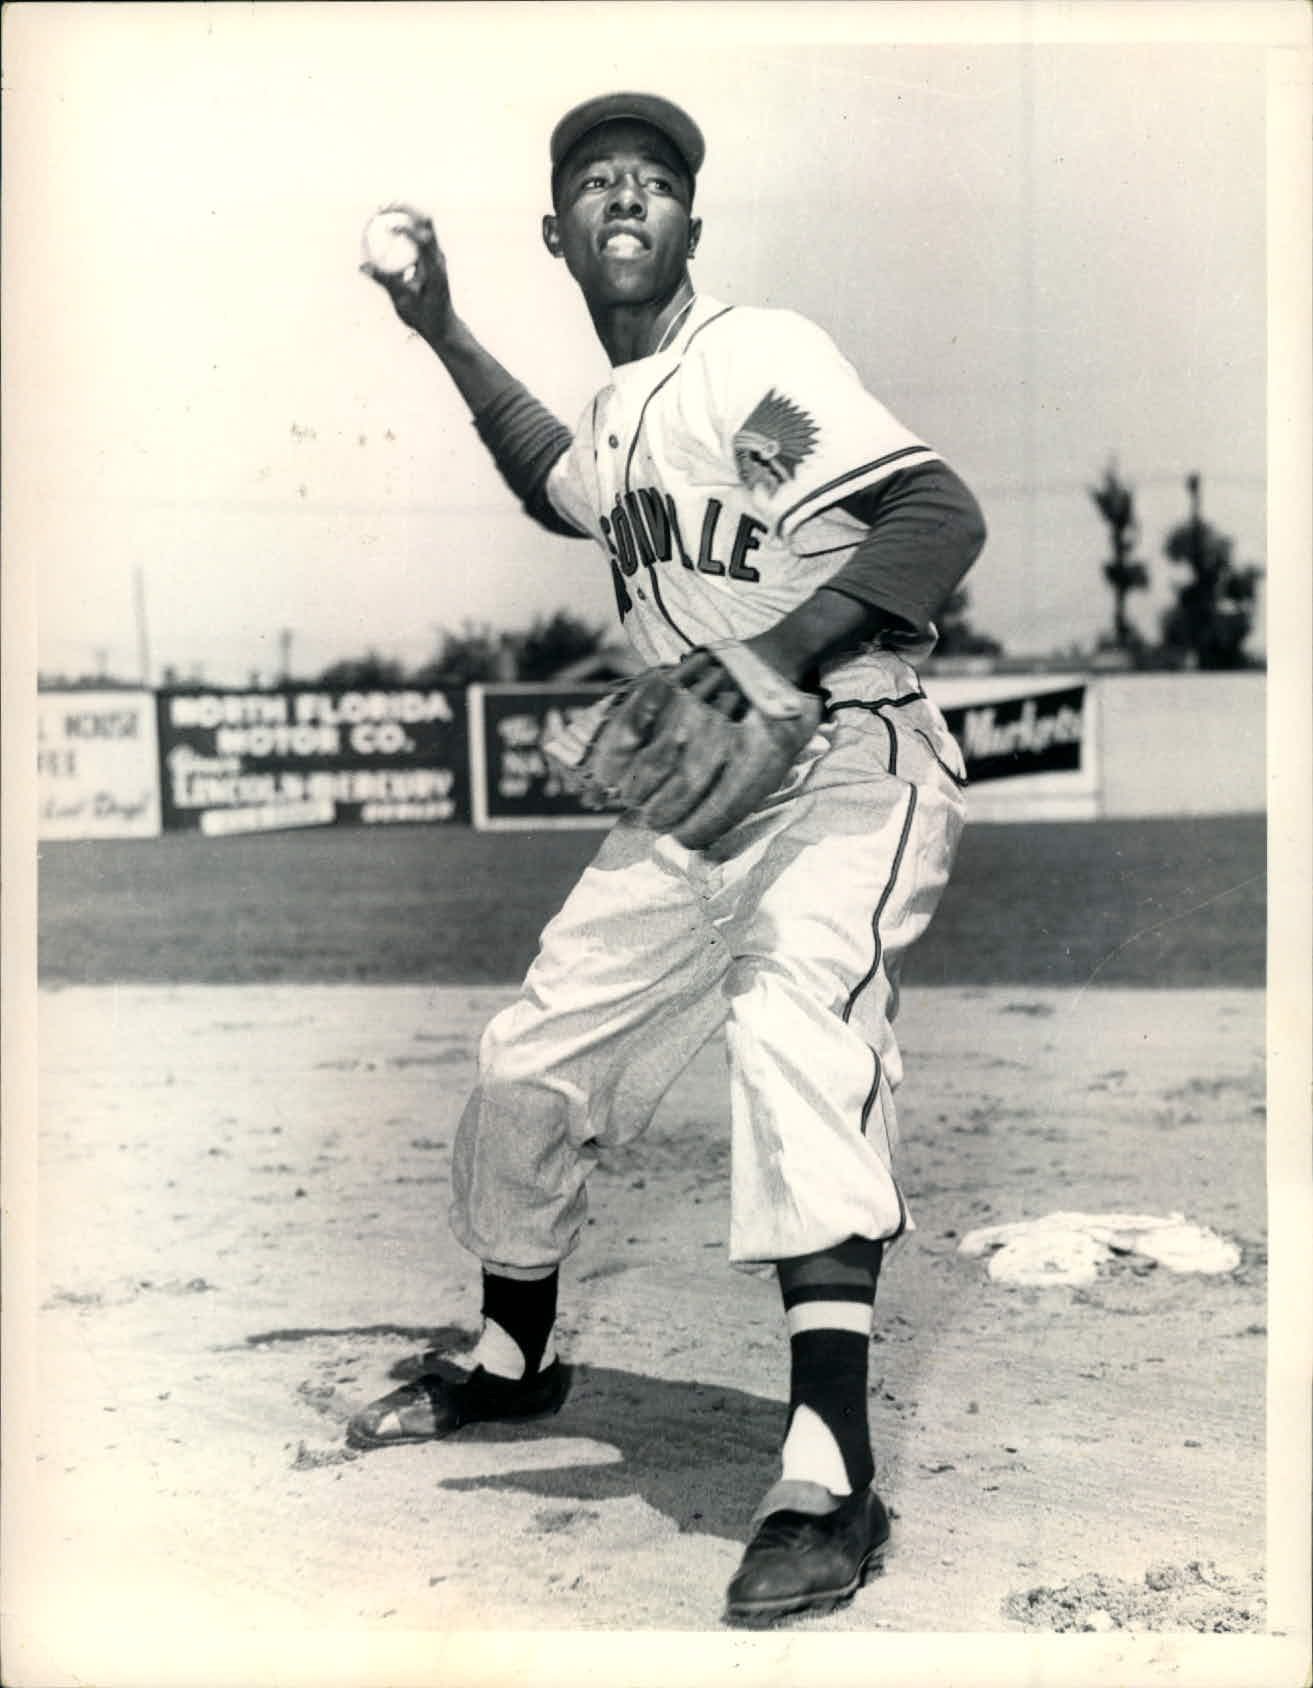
(429, 1407)
(803, 1559)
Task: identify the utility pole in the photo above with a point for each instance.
(143, 631)
(1194, 486)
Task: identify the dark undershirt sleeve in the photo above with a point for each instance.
(925, 531)
(525, 441)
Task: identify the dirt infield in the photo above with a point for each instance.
(253, 1054)
(243, 1236)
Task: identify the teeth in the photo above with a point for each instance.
(626, 244)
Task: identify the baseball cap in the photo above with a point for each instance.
(676, 125)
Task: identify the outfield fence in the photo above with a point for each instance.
(126, 764)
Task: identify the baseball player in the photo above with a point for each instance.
(778, 544)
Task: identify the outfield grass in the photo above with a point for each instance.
(1154, 902)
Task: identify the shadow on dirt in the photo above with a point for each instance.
(701, 1455)
(316, 1333)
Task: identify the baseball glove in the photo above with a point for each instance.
(691, 749)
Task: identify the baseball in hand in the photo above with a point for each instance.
(389, 244)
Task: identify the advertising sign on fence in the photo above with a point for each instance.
(128, 764)
(96, 765)
(513, 785)
(1028, 744)
(305, 757)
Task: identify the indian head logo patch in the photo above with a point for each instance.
(772, 442)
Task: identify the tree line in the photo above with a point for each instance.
(1211, 617)
(477, 653)
(1208, 622)
(1207, 625)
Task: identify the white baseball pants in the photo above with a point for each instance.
(789, 933)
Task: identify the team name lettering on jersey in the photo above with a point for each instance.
(715, 472)
(644, 529)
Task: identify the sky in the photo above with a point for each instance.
(1042, 253)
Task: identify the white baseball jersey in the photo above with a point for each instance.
(712, 472)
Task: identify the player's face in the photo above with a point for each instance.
(623, 221)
